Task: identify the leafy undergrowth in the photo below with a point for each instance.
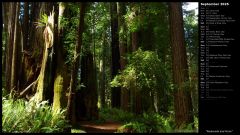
(115, 115)
(20, 116)
(145, 123)
(77, 131)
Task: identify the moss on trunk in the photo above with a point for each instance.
(58, 92)
(40, 86)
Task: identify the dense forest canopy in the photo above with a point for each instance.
(134, 64)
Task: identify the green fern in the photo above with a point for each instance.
(20, 116)
(42, 22)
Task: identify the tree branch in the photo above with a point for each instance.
(26, 89)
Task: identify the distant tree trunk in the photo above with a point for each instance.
(134, 41)
(19, 58)
(4, 30)
(94, 50)
(13, 45)
(116, 91)
(14, 53)
(24, 29)
(73, 83)
(86, 101)
(134, 34)
(25, 24)
(87, 97)
(147, 39)
(5, 11)
(102, 73)
(10, 11)
(182, 98)
(121, 7)
(136, 95)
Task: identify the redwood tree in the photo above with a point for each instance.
(182, 98)
(73, 83)
(61, 80)
(121, 9)
(116, 91)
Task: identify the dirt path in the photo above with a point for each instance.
(106, 127)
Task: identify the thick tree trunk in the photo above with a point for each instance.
(116, 91)
(182, 98)
(86, 101)
(121, 8)
(60, 79)
(73, 83)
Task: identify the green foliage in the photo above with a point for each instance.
(191, 35)
(69, 40)
(145, 69)
(144, 123)
(20, 116)
(42, 22)
(153, 122)
(4, 40)
(77, 131)
(4, 92)
(149, 123)
(189, 128)
(132, 127)
(156, 123)
(196, 123)
(114, 114)
(191, 38)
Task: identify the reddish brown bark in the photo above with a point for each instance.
(73, 83)
(182, 98)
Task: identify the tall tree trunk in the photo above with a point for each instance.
(73, 83)
(102, 73)
(5, 13)
(121, 8)
(86, 101)
(25, 27)
(182, 98)
(60, 79)
(25, 24)
(14, 73)
(136, 95)
(116, 91)
(10, 11)
(87, 98)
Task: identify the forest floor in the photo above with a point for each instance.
(106, 127)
